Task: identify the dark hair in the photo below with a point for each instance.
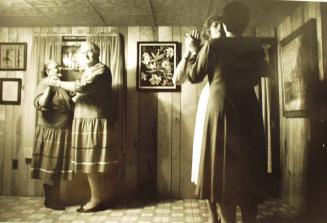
(236, 17)
(206, 26)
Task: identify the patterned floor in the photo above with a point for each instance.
(30, 209)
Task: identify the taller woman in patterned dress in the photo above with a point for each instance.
(91, 151)
(52, 143)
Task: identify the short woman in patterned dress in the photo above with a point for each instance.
(92, 153)
(52, 144)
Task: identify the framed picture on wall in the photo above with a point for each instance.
(70, 57)
(299, 68)
(10, 91)
(13, 56)
(156, 63)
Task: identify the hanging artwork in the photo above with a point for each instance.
(156, 62)
(299, 67)
(13, 56)
(10, 91)
(70, 57)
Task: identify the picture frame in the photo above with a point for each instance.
(13, 56)
(156, 63)
(70, 66)
(299, 69)
(10, 91)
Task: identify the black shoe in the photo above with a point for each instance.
(98, 207)
(55, 206)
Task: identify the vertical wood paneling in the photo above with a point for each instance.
(111, 29)
(176, 132)
(9, 110)
(300, 164)
(188, 111)
(80, 30)
(16, 112)
(27, 85)
(290, 152)
(96, 29)
(147, 134)
(3, 74)
(131, 112)
(164, 164)
(24, 35)
(295, 131)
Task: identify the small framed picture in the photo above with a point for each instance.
(10, 91)
(13, 56)
(156, 63)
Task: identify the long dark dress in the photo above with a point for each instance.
(52, 142)
(233, 157)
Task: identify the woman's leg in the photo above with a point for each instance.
(96, 189)
(227, 213)
(52, 198)
(47, 192)
(249, 213)
(213, 217)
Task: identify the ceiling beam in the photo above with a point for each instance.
(97, 13)
(43, 14)
(151, 12)
(207, 13)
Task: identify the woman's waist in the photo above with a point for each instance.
(55, 120)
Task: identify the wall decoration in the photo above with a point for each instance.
(13, 56)
(156, 62)
(10, 91)
(299, 67)
(70, 57)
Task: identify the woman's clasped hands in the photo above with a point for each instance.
(52, 81)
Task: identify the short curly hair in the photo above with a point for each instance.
(44, 70)
(206, 26)
(236, 17)
(95, 49)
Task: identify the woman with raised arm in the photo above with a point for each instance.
(233, 157)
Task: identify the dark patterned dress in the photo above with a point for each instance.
(51, 159)
(233, 156)
(91, 134)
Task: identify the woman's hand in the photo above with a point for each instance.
(95, 70)
(52, 81)
(193, 42)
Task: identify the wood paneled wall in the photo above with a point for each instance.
(159, 125)
(295, 132)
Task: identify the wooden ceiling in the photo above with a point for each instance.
(117, 12)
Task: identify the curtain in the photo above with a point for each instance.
(265, 99)
(112, 54)
(43, 48)
(266, 106)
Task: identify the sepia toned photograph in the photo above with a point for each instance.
(163, 111)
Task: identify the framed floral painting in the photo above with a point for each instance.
(156, 62)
